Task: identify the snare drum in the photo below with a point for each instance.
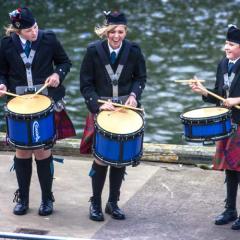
(30, 122)
(118, 138)
(207, 124)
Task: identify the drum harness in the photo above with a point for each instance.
(58, 106)
(114, 77)
(227, 84)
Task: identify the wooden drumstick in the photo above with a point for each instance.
(189, 81)
(216, 96)
(121, 105)
(11, 94)
(40, 89)
(117, 110)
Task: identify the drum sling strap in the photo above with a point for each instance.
(228, 81)
(27, 60)
(114, 77)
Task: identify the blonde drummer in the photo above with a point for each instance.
(113, 69)
(30, 57)
(228, 150)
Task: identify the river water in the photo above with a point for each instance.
(179, 39)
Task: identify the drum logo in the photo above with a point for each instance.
(36, 135)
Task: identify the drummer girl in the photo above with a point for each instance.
(29, 58)
(96, 83)
(228, 151)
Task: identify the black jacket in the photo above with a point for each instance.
(50, 57)
(94, 82)
(219, 89)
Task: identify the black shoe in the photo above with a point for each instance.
(21, 208)
(46, 208)
(113, 209)
(95, 212)
(236, 224)
(227, 216)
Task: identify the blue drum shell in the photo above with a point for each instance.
(31, 131)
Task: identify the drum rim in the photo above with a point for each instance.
(30, 115)
(119, 135)
(43, 144)
(185, 119)
(137, 159)
(210, 138)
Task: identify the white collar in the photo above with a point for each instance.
(23, 40)
(115, 50)
(233, 61)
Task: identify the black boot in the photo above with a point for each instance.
(23, 168)
(230, 214)
(45, 179)
(116, 177)
(98, 174)
(236, 224)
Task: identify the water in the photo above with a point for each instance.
(179, 39)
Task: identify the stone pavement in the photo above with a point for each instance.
(161, 201)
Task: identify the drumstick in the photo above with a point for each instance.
(121, 105)
(40, 89)
(216, 96)
(11, 94)
(117, 110)
(189, 81)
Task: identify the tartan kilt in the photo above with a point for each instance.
(227, 154)
(64, 125)
(88, 135)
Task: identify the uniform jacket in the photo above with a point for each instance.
(219, 89)
(94, 82)
(50, 57)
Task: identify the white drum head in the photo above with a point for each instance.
(205, 112)
(122, 121)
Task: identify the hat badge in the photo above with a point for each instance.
(17, 24)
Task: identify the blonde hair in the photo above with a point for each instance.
(11, 29)
(102, 31)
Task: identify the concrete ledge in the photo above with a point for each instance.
(184, 154)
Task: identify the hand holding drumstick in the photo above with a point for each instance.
(200, 89)
(3, 89)
(53, 80)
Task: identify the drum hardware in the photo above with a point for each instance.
(30, 90)
(208, 143)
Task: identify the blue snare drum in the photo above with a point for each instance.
(30, 122)
(207, 124)
(118, 139)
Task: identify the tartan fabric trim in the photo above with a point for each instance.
(88, 134)
(64, 126)
(227, 154)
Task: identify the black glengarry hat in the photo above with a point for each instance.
(233, 34)
(115, 18)
(22, 18)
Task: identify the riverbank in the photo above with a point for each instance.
(152, 152)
